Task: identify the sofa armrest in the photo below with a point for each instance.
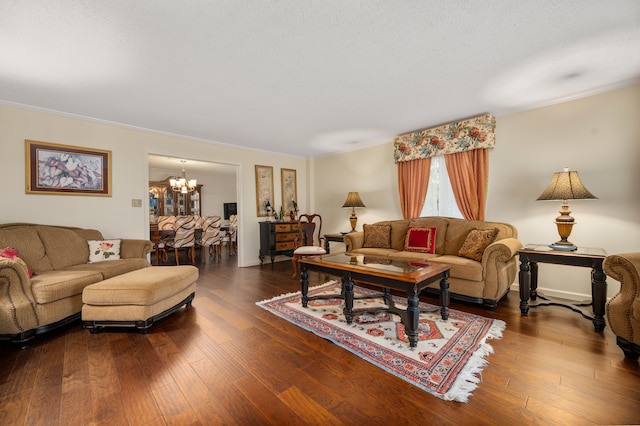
(499, 266)
(17, 303)
(623, 310)
(502, 250)
(132, 249)
(354, 240)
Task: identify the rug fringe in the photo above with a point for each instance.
(293, 293)
(468, 380)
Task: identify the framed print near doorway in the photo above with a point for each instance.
(264, 189)
(289, 189)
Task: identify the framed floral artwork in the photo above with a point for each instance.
(264, 189)
(67, 170)
(289, 190)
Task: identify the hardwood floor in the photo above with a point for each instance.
(227, 361)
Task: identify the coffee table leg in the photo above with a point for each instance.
(413, 318)
(444, 296)
(347, 286)
(304, 285)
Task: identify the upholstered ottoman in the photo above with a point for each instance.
(138, 298)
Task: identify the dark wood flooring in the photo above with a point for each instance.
(227, 361)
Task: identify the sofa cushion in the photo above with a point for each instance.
(112, 268)
(377, 236)
(9, 253)
(412, 255)
(104, 250)
(421, 239)
(63, 246)
(461, 267)
(56, 285)
(476, 242)
(26, 241)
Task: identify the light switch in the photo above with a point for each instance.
(136, 202)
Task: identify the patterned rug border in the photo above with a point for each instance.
(465, 382)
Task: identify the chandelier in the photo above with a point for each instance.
(181, 184)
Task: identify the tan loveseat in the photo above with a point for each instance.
(58, 257)
(485, 281)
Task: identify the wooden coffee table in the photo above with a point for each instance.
(404, 275)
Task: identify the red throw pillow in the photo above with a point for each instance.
(9, 253)
(421, 239)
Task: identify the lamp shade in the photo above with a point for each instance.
(353, 200)
(566, 185)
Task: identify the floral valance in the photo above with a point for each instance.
(474, 133)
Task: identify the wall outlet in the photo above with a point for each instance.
(136, 202)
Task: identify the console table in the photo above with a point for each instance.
(532, 254)
(277, 238)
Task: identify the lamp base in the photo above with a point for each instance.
(563, 246)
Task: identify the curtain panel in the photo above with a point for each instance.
(413, 180)
(473, 133)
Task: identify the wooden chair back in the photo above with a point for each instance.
(311, 230)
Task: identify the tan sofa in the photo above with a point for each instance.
(58, 258)
(485, 281)
(623, 310)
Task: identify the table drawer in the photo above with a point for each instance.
(285, 245)
(283, 227)
(286, 237)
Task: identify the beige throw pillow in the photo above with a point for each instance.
(477, 240)
(102, 250)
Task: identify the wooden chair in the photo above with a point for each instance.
(310, 241)
(185, 238)
(210, 236)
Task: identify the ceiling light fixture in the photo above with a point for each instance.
(181, 184)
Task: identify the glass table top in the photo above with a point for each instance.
(381, 263)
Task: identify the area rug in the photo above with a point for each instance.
(446, 363)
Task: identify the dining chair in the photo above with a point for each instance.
(210, 236)
(165, 223)
(310, 241)
(185, 228)
(230, 237)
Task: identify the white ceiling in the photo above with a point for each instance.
(310, 77)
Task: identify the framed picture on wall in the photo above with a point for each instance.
(289, 189)
(67, 170)
(264, 189)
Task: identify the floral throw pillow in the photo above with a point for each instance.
(102, 250)
(377, 236)
(477, 240)
(9, 253)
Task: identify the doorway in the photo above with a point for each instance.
(217, 186)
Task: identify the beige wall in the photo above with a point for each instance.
(597, 136)
(115, 216)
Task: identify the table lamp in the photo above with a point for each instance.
(565, 185)
(353, 201)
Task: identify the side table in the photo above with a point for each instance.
(532, 254)
(338, 238)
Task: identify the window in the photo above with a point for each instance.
(440, 200)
